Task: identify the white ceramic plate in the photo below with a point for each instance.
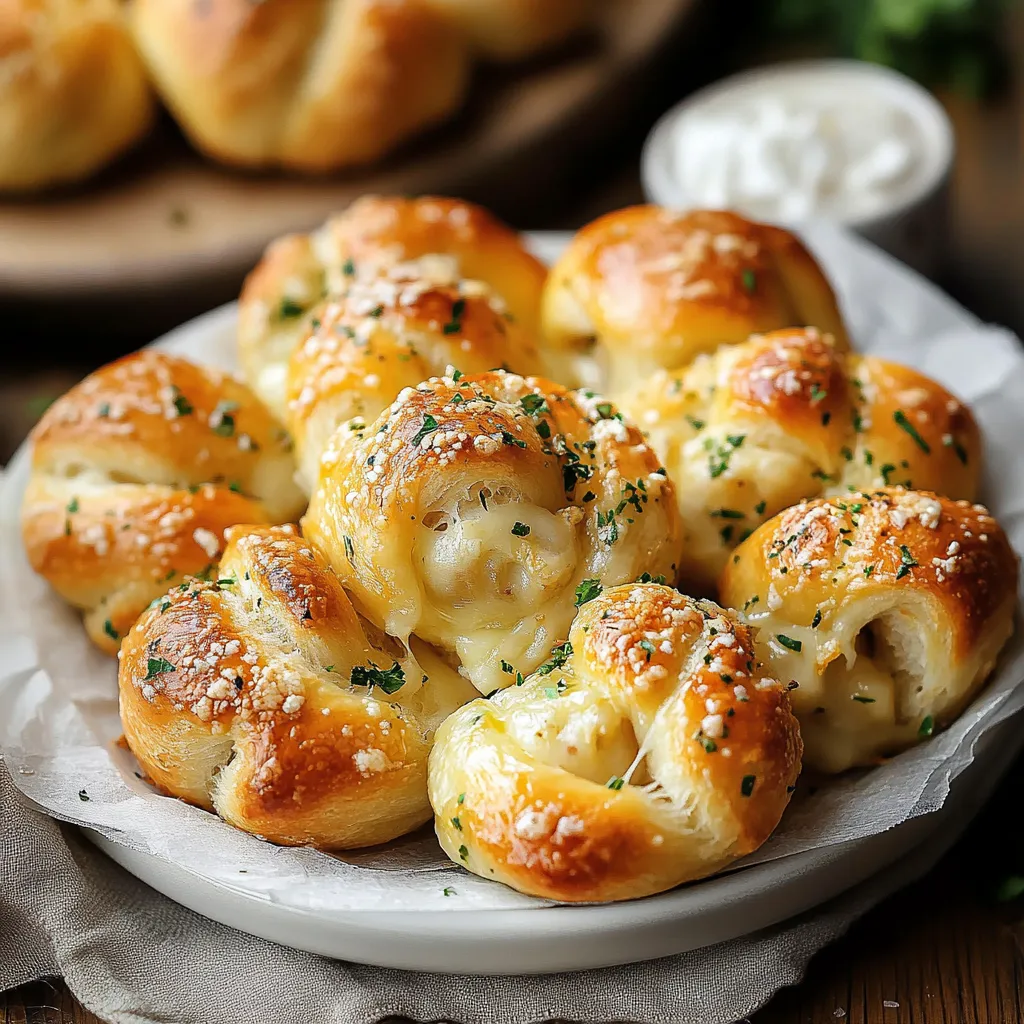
(550, 940)
(532, 938)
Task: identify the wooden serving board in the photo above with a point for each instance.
(167, 220)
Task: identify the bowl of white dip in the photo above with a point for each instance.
(841, 140)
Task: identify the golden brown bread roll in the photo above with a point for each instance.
(888, 608)
(756, 427)
(259, 696)
(646, 288)
(652, 749)
(310, 85)
(475, 513)
(385, 334)
(136, 473)
(510, 29)
(73, 92)
(436, 239)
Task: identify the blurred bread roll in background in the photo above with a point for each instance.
(436, 239)
(789, 415)
(887, 608)
(136, 473)
(307, 85)
(646, 288)
(510, 29)
(73, 92)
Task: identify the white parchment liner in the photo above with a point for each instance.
(58, 703)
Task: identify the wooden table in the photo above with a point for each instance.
(942, 950)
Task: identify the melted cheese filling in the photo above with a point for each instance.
(855, 701)
(496, 576)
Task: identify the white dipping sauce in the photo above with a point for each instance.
(788, 158)
(844, 140)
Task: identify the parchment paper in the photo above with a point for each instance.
(58, 703)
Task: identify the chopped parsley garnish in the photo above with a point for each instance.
(648, 648)
(448, 891)
(728, 513)
(73, 505)
(927, 726)
(587, 591)
(869, 570)
(695, 423)
(646, 577)
(747, 785)
(224, 422)
(350, 553)
(377, 312)
(348, 268)
(457, 823)
(389, 680)
(108, 628)
(454, 325)
(462, 798)
(900, 418)
(788, 641)
(543, 429)
(511, 439)
(428, 427)
(534, 405)
(558, 657)
(507, 667)
(749, 279)
(951, 442)
(104, 410)
(861, 699)
(520, 530)
(463, 852)
(907, 562)
(604, 410)
(616, 782)
(551, 692)
(573, 471)
(607, 527)
(818, 393)
(726, 533)
(83, 796)
(154, 666)
(886, 470)
(182, 406)
(709, 745)
(288, 309)
(718, 460)
(816, 621)
(760, 507)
